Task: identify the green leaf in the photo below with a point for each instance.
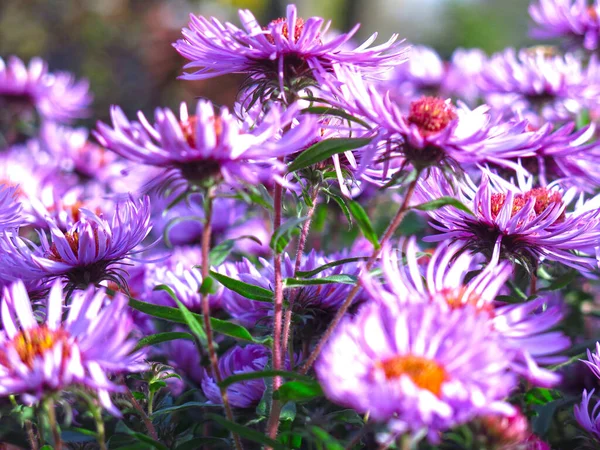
(324, 437)
(194, 324)
(288, 412)
(202, 442)
(184, 406)
(220, 252)
(283, 234)
(247, 433)
(331, 279)
(562, 281)
(244, 289)
(298, 391)
(175, 315)
(325, 149)
(122, 428)
(341, 201)
(159, 338)
(441, 202)
(330, 111)
(262, 374)
(339, 262)
(364, 223)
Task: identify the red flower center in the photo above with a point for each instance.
(285, 29)
(33, 343)
(431, 114)
(544, 199)
(189, 129)
(423, 372)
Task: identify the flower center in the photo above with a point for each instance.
(285, 32)
(431, 114)
(30, 344)
(189, 126)
(592, 13)
(423, 372)
(455, 299)
(544, 199)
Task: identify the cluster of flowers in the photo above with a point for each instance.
(103, 231)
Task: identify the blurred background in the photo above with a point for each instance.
(124, 46)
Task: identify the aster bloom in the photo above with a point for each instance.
(462, 74)
(208, 146)
(236, 360)
(87, 252)
(589, 420)
(519, 221)
(577, 20)
(10, 209)
(417, 367)
(287, 48)
(524, 328)
(55, 96)
(539, 84)
(433, 132)
(81, 350)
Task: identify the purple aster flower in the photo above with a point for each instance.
(208, 146)
(417, 367)
(577, 20)
(520, 222)
(538, 84)
(433, 132)
(284, 50)
(83, 349)
(524, 327)
(462, 74)
(236, 360)
(10, 209)
(87, 252)
(589, 421)
(55, 96)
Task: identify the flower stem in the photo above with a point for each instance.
(142, 413)
(51, 412)
(97, 414)
(352, 294)
(212, 354)
(31, 436)
(273, 422)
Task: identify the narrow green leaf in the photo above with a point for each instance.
(262, 374)
(363, 221)
(159, 338)
(298, 391)
(247, 433)
(282, 235)
(220, 252)
(203, 442)
(330, 111)
(562, 281)
(441, 202)
(341, 201)
(244, 289)
(331, 279)
(184, 406)
(325, 149)
(122, 428)
(324, 437)
(339, 262)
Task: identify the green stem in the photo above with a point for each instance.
(97, 415)
(51, 414)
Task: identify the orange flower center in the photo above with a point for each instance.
(189, 129)
(285, 30)
(544, 199)
(33, 343)
(455, 299)
(423, 372)
(431, 114)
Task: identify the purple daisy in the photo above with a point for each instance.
(10, 209)
(285, 49)
(87, 252)
(577, 20)
(236, 360)
(589, 420)
(417, 367)
(55, 96)
(539, 84)
(524, 327)
(520, 222)
(462, 74)
(208, 146)
(83, 349)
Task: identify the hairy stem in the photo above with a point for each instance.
(51, 412)
(212, 354)
(273, 422)
(147, 422)
(97, 414)
(352, 294)
(31, 435)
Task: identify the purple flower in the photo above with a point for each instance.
(462, 74)
(588, 421)
(82, 349)
(55, 96)
(10, 209)
(524, 327)
(236, 360)
(577, 20)
(520, 222)
(539, 85)
(416, 367)
(208, 146)
(87, 252)
(285, 49)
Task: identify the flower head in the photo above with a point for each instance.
(84, 254)
(9, 208)
(589, 420)
(208, 146)
(520, 222)
(82, 349)
(417, 367)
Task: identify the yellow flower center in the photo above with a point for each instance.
(33, 343)
(423, 372)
